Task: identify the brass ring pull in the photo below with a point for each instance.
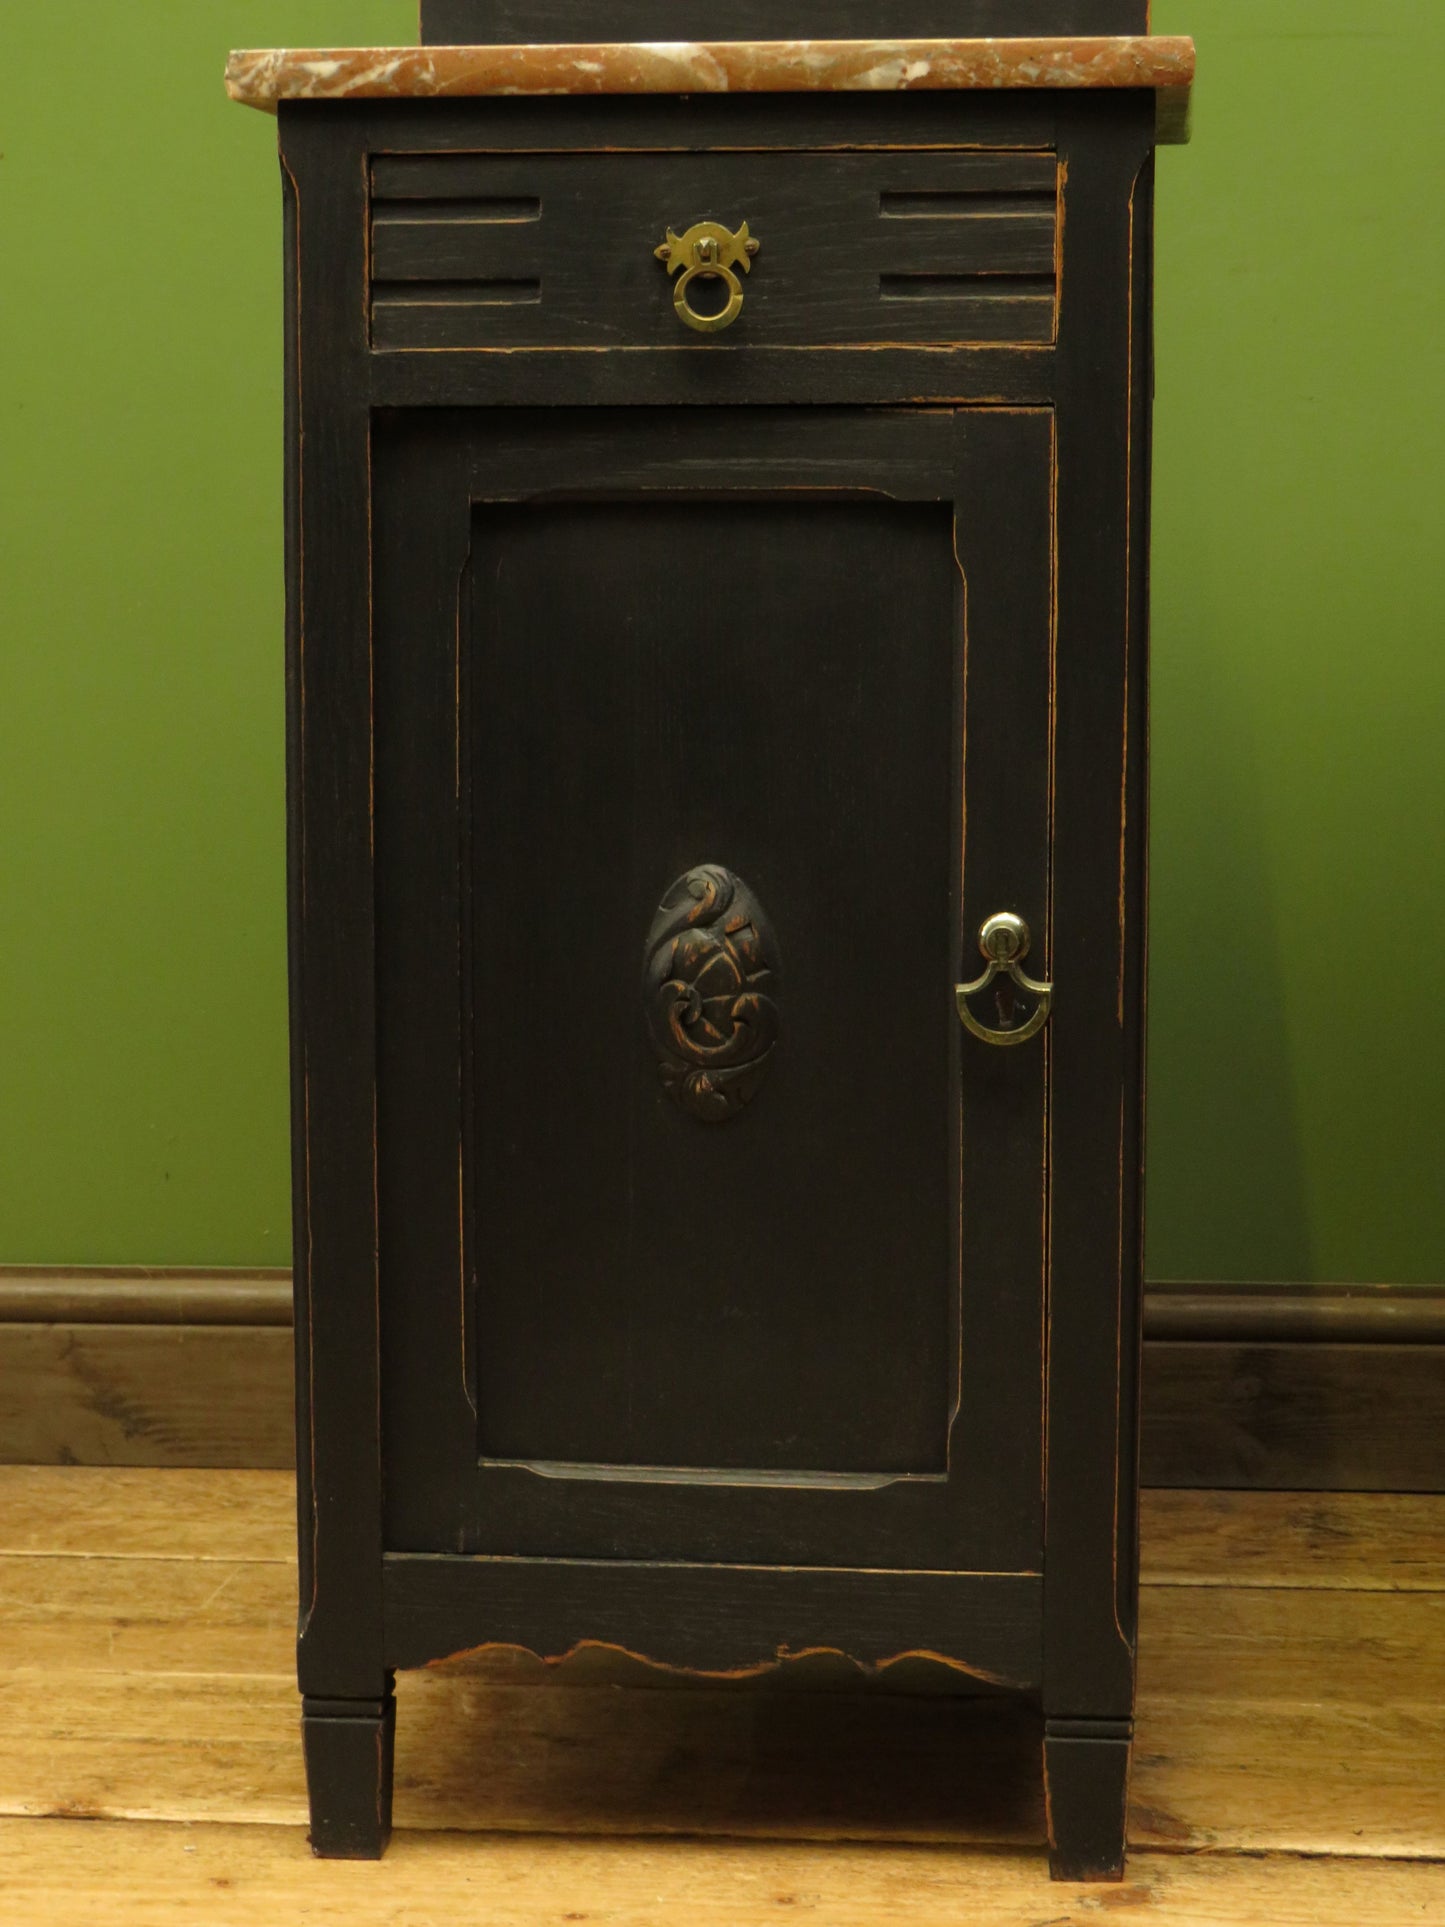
(1004, 940)
(707, 251)
(705, 323)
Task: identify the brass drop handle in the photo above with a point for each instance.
(1004, 940)
(708, 252)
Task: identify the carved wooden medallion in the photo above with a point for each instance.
(711, 963)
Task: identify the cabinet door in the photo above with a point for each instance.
(705, 742)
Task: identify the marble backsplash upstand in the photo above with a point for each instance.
(261, 78)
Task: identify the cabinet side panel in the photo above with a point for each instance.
(1095, 1032)
(331, 911)
(1134, 886)
(305, 1510)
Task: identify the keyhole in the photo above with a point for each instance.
(1003, 999)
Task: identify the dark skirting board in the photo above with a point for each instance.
(134, 1367)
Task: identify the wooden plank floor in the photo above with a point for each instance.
(1290, 1761)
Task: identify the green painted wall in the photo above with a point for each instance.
(1296, 1087)
(142, 919)
(1297, 1042)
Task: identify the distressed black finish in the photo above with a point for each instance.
(720, 1300)
(721, 1621)
(559, 250)
(349, 1745)
(1086, 1796)
(459, 22)
(859, 617)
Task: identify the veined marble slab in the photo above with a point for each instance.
(262, 77)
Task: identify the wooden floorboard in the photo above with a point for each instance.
(1292, 1700)
(176, 1512)
(60, 1871)
(135, 1617)
(1328, 1776)
(1360, 1541)
(1363, 1540)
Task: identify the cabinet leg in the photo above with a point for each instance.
(1086, 1791)
(348, 1746)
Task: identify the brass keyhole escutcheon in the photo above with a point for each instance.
(707, 251)
(1004, 940)
(711, 987)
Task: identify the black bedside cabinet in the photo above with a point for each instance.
(717, 631)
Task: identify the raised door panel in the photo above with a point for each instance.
(712, 1177)
(703, 746)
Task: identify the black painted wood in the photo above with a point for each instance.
(1086, 1793)
(697, 123)
(761, 377)
(330, 919)
(1095, 1057)
(810, 1304)
(463, 22)
(349, 1746)
(864, 624)
(720, 1620)
(686, 1297)
(554, 250)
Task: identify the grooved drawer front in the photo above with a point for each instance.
(854, 249)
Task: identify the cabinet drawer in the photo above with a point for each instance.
(855, 249)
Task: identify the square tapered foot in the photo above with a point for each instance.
(1086, 1789)
(348, 1745)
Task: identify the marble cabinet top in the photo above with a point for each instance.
(262, 77)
